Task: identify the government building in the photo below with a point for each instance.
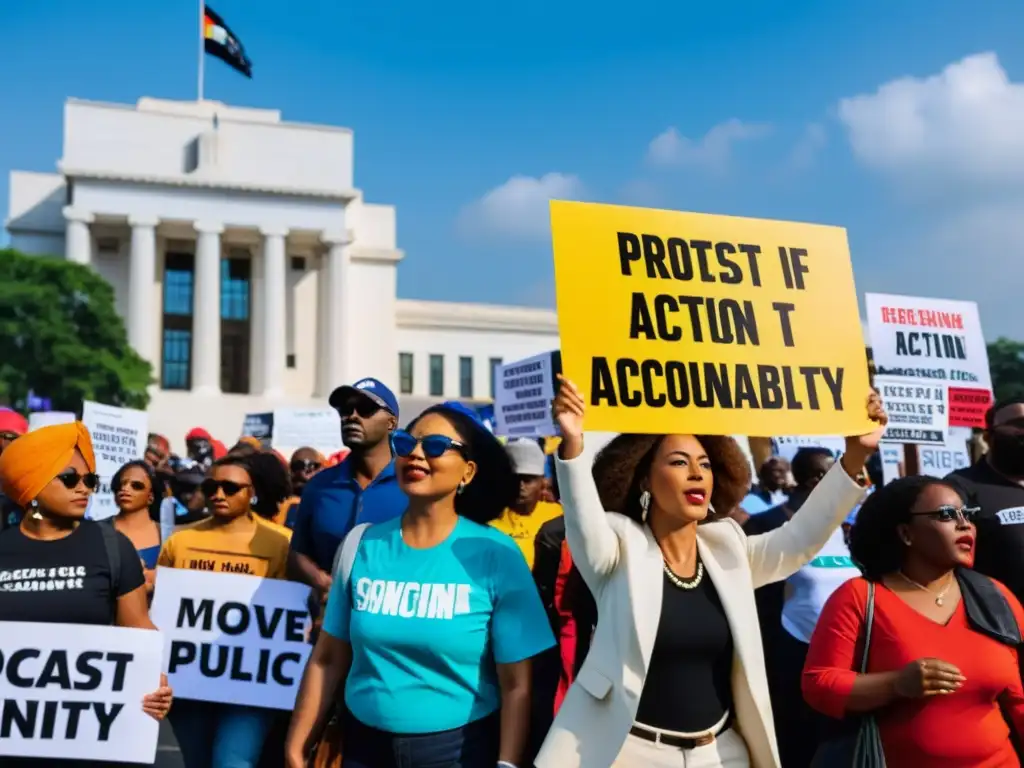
(248, 267)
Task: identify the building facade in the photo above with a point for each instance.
(249, 269)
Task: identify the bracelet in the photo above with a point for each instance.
(506, 764)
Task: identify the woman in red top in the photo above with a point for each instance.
(935, 682)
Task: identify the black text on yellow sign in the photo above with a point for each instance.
(684, 322)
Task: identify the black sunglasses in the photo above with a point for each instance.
(135, 485)
(434, 446)
(949, 514)
(209, 487)
(9, 436)
(304, 465)
(361, 405)
(71, 479)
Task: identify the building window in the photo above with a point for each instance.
(176, 355)
(437, 375)
(405, 372)
(495, 364)
(299, 263)
(466, 377)
(235, 331)
(289, 361)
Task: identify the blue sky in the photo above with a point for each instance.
(451, 101)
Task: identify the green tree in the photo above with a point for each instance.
(61, 337)
(1006, 361)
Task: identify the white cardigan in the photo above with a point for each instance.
(621, 563)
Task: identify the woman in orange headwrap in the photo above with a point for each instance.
(58, 567)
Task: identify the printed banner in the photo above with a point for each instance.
(260, 426)
(940, 460)
(119, 435)
(937, 342)
(233, 639)
(685, 322)
(523, 395)
(917, 410)
(318, 428)
(786, 447)
(73, 691)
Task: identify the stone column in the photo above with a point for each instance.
(334, 320)
(274, 292)
(77, 237)
(142, 308)
(206, 310)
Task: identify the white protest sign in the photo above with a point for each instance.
(318, 428)
(523, 395)
(232, 639)
(940, 460)
(38, 419)
(75, 692)
(119, 435)
(892, 461)
(937, 342)
(787, 446)
(917, 410)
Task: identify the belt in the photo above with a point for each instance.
(680, 742)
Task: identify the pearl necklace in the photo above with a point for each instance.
(940, 596)
(690, 583)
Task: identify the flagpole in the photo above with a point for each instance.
(202, 45)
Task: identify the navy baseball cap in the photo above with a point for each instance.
(370, 388)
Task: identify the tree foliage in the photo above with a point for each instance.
(1006, 360)
(61, 337)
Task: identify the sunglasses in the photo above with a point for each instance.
(304, 465)
(135, 485)
(9, 436)
(434, 446)
(71, 479)
(364, 407)
(210, 487)
(949, 514)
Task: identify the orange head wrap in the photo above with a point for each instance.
(29, 463)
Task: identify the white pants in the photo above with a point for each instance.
(728, 750)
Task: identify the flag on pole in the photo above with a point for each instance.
(220, 41)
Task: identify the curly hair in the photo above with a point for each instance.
(875, 545)
(271, 482)
(622, 465)
(495, 486)
(156, 484)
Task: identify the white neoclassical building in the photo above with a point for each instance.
(248, 267)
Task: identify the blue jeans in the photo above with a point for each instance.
(220, 735)
(471, 746)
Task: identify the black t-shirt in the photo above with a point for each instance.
(688, 687)
(66, 581)
(999, 552)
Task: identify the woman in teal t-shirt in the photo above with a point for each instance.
(432, 633)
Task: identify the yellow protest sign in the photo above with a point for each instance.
(690, 323)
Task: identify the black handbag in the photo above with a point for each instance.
(861, 746)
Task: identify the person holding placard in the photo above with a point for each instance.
(234, 539)
(430, 633)
(56, 566)
(675, 673)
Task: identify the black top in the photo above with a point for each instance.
(1000, 548)
(688, 686)
(65, 581)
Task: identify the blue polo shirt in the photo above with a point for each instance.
(333, 503)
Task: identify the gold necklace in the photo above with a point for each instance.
(690, 583)
(940, 596)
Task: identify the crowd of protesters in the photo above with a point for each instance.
(640, 605)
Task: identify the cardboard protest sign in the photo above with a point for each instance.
(232, 639)
(318, 428)
(523, 395)
(118, 436)
(75, 691)
(39, 419)
(917, 410)
(934, 342)
(260, 426)
(684, 322)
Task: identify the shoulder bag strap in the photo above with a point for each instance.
(346, 554)
(869, 621)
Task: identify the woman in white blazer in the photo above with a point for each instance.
(675, 674)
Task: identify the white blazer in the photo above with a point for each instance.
(621, 563)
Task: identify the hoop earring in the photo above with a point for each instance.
(645, 505)
(460, 489)
(254, 501)
(36, 514)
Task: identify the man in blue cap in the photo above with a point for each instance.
(361, 489)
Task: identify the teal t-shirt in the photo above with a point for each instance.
(427, 626)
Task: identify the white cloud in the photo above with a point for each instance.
(518, 209)
(712, 151)
(965, 124)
